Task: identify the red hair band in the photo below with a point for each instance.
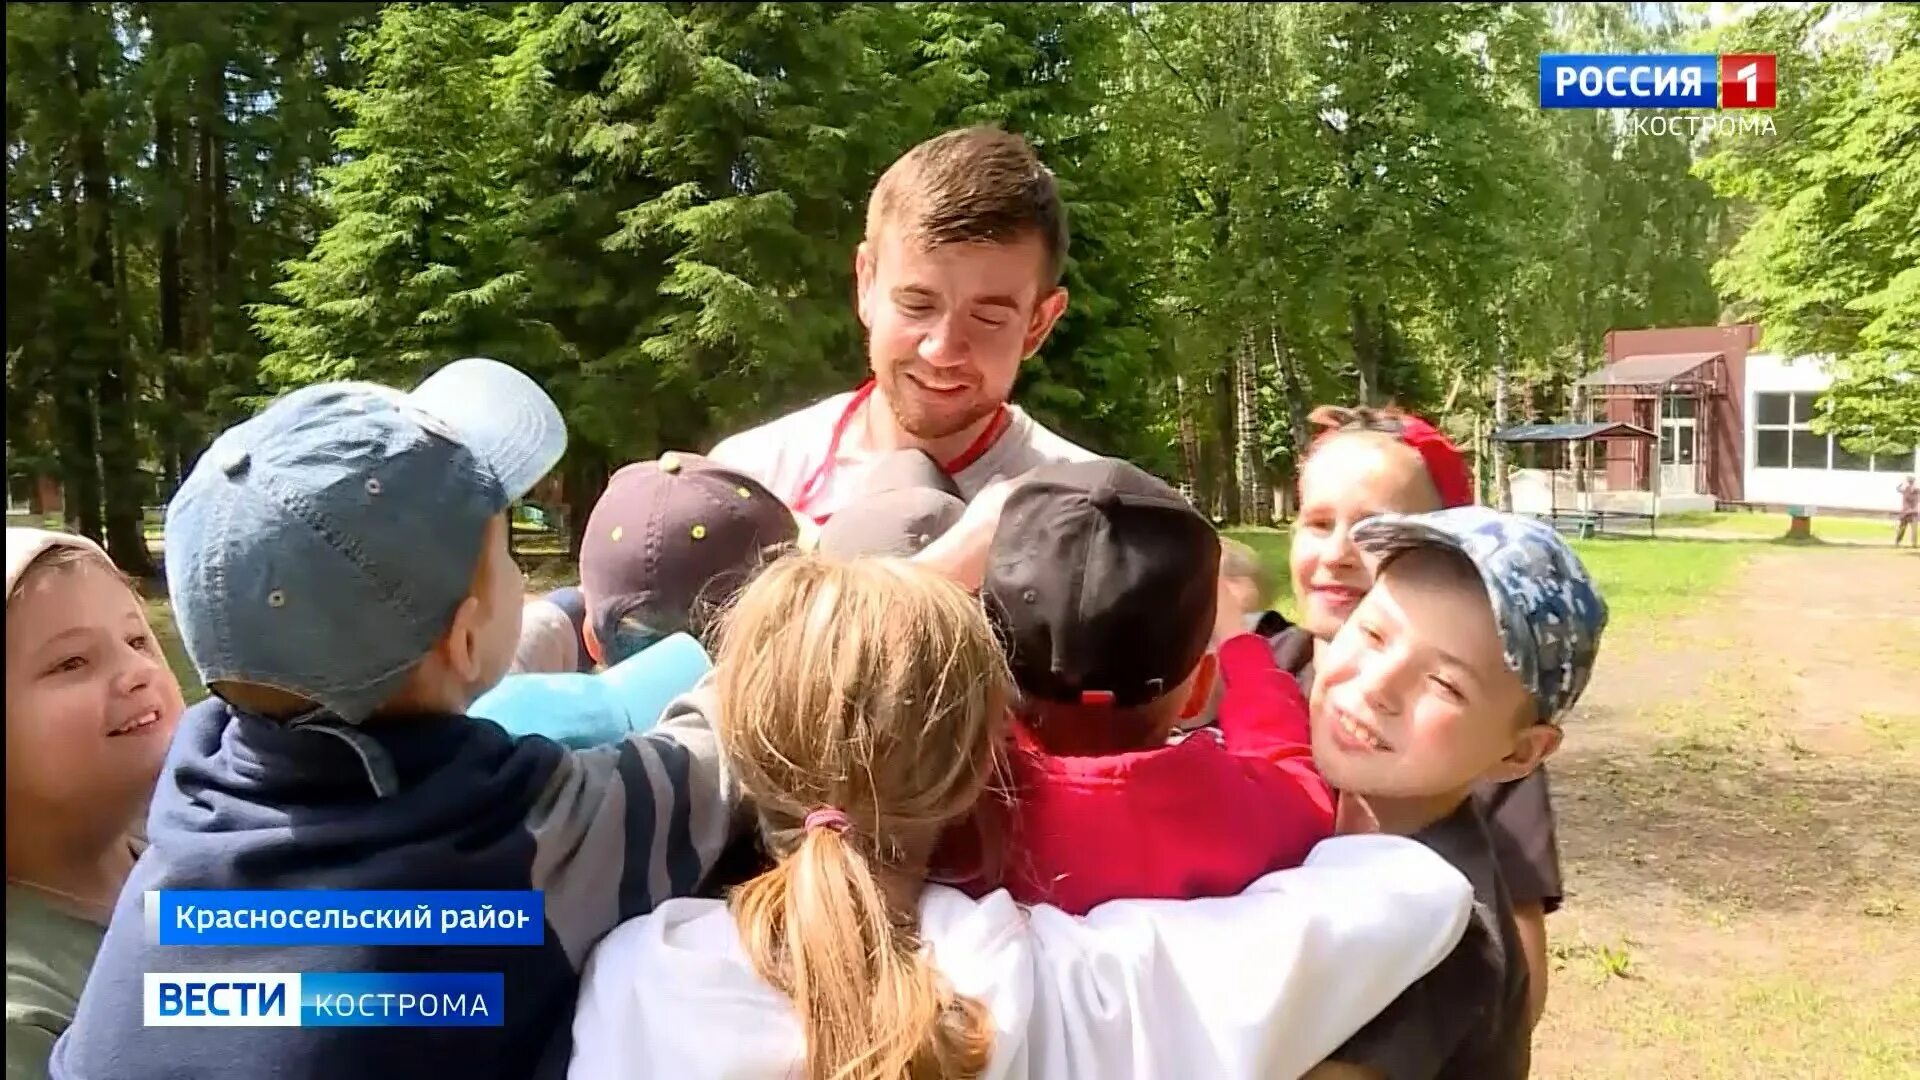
(1448, 470)
(1445, 466)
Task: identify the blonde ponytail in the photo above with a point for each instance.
(819, 929)
(873, 689)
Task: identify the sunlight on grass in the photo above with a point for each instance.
(1767, 526)
(1641, 579)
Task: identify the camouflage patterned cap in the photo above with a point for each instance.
(1549, 614)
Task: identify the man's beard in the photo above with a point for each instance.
(916, 419)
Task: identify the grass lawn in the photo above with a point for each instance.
(1775, 525)
(1640, 579)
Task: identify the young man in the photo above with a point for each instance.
(339, 571)
(958, 283)
(1104, 582)
(1478, 635)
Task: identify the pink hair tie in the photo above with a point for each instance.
(828, 818)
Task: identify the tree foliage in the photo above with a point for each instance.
(653, 208)
(1829, 263)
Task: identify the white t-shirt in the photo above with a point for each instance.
(1265, 984)
(786, 454)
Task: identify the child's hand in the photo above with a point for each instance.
(961, 552)
(1238, 598)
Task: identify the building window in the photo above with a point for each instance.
(1844, 458)
(1784, 437)
(1770, 448)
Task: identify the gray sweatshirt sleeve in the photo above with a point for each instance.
(619, 829)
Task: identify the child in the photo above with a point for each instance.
(862, 703)
(1477, 637)
(669, 543)
(1379, 461)
(906, 503)
(1105, 582)
(1244, 579)
(340, 573)
(91, 705)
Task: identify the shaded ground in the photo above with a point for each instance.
(1737, 806)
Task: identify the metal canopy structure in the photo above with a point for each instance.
(1578, 433)
(1552, 433)
(1707, 370)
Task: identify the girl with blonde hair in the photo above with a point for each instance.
(862, 705)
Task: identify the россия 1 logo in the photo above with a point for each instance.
(1675, 81)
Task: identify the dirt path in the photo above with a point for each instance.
(1739, 828)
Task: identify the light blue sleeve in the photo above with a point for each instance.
(596, 710)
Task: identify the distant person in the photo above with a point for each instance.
(553, 635)
(1246, 580)
(1909, 513)
(340, 573)
(1364, 462)
(958, 283)
(91, 706)
(1105, 584)
(863, 703)
(1478, 635)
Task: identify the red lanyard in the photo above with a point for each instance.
(822, 472)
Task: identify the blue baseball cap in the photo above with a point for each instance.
(1549, 614)
(323, 546)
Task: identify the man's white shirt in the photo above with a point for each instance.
(786, 454)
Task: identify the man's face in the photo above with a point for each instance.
(947, 327)
(1413, 697)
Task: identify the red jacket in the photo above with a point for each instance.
(1203, 817)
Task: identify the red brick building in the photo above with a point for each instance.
(1688, 385)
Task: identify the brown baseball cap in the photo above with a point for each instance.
(1104, 580)
(905, 470)
(899, 523)
(671, 541)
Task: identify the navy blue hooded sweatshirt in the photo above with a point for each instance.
(251, 803)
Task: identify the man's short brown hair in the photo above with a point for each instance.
(974, 184)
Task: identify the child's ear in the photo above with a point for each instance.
(1533, 745)
(1202, 692)
(461, 646)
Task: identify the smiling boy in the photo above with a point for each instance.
(1479, 634)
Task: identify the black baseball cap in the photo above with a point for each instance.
(669, 538)
(1104, 581)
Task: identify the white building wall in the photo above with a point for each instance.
(1837, 489)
